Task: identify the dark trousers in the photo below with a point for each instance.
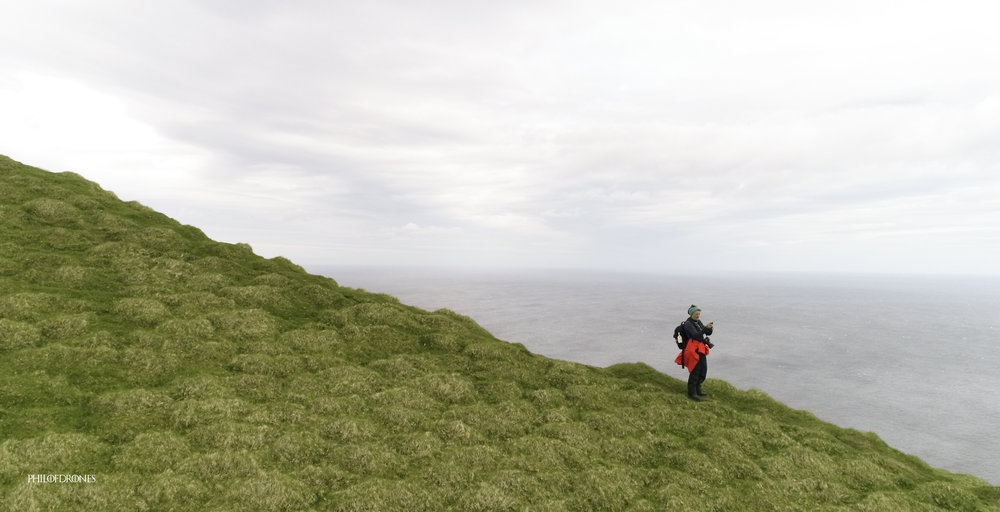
(698, 375)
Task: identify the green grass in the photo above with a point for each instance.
(192, 375)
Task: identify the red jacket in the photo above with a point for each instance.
(689, 357)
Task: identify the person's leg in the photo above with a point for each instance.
(702, 370)
(694, 379)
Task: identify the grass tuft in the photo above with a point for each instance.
(142, 311)
(246, 324)
(52, 211)
(65, 326)
(68, 453)
(34, 306)
(151, 453)
(447, 388)
(14, 334)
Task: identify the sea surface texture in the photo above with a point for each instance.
(913, 359)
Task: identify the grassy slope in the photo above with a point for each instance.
(188, 374)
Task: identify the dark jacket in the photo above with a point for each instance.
(695, 330)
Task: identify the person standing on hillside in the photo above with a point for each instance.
(694, 357)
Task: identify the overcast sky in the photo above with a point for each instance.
(667, 136)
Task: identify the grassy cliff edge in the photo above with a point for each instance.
(173, 372)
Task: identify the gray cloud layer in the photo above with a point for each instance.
(765, 135)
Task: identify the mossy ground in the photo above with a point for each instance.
(192, 375)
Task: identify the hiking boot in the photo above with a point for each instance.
(694, 397)
(699, 392)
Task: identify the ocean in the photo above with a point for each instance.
(913, 359)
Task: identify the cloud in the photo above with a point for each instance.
(580, 133)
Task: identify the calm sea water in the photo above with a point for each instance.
(912, 359)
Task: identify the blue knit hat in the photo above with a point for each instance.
(692, 309)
